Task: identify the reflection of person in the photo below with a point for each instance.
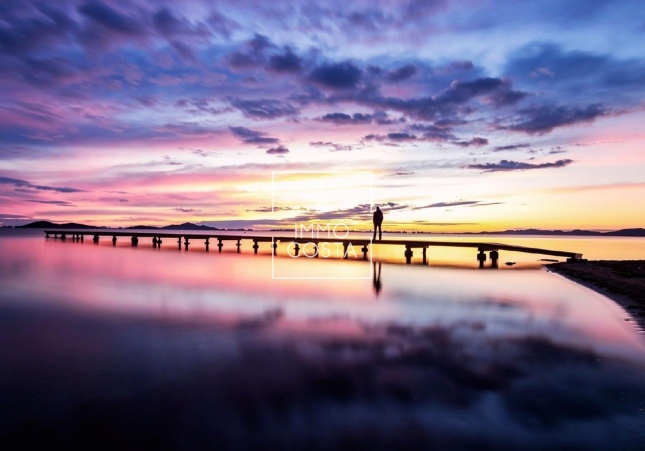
(378, 220)
(377, 278)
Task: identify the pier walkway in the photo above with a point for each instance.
(296, 245)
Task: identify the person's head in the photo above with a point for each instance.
(378, 208)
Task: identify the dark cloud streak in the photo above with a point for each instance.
(508, 165)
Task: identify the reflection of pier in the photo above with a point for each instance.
(295, 245)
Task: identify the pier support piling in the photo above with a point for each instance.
(425, 259)
(408, 254)
(481, 258)
(256, 246)
(345, 246)
(114, 240)
(96, 239)
(134, 240)
(275, 248)
(365, 250)
(220, 244)
(239, 245)
(494, 257)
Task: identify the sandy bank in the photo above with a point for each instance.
(621, 280)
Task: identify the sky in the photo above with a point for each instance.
(467, 115)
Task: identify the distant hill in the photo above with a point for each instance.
(627, 232)
(623, 232)
(141, 227)
(51, 225)
(576, 232)
(188, 226)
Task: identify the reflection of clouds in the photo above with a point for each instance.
(112, 382)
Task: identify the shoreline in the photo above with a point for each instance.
(623, 281)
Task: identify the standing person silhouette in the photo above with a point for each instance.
(378, 220)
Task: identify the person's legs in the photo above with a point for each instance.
(380, 232)
(374, 238)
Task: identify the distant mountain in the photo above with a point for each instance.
(51, 225)
(623, 232)
(627, 232)
(188, 226)
(141, 227)
(576, 232)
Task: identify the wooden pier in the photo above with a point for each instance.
(362, 244)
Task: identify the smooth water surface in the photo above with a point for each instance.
(122, 347)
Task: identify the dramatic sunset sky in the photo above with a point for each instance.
(471, 115)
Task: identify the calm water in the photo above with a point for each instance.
(121, 347)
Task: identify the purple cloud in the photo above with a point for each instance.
(25, 184)
(543, 119)
(287, 62)
(346, 119)
(261, 109)
(402, 73)
(511, 147)
(508, 165)
(249, 136)
(473, 142)
(279, 150)
(332, 147)
(344, 75)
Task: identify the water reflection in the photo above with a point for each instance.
(377, 277)
(122, 347)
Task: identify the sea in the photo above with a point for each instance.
(115, 346)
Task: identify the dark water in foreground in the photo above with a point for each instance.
(124, 348)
